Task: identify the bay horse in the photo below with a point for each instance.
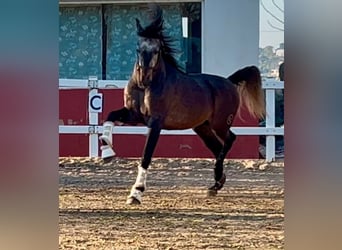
(160, 96)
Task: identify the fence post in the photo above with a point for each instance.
(270, 124)
(93, 118)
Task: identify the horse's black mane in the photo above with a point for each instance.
(156, 30)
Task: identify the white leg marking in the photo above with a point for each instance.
(141, 178)
(140, 182)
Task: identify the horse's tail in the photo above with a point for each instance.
(249, 87)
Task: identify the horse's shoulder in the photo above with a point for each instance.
(132, 86)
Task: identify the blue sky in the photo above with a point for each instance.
(269, 35)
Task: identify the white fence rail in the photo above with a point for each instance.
(94, 129)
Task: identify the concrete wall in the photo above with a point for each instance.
(230, 35)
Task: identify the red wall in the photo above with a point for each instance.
(73, 106)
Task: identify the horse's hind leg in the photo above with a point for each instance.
(205, 132)
(212, 141)
(220, 177)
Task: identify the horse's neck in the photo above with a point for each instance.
(172, 72)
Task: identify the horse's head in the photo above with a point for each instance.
(153, 49)
(148, 59)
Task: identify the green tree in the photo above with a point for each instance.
(268, 60)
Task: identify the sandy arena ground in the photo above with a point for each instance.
(248, 213)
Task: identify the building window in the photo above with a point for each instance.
(101, 40)
(80, 37)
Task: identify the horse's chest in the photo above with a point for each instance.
(152, 105)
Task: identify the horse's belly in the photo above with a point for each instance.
(184, 120)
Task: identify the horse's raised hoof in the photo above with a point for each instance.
(108, 159)
(107, 153)
(132, 201)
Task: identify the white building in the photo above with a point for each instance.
(214, 36)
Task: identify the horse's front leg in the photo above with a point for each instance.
(139, 187)
(123, 115)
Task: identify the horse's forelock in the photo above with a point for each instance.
(155, 28)
(149, 44)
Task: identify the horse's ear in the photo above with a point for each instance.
(139, 27)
